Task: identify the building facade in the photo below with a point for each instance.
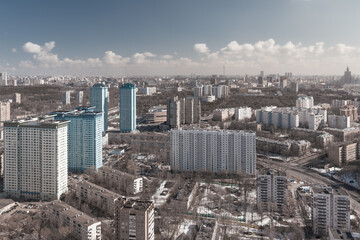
(66, 98)
(84, 138)
(214, 151)
(82, 225)
(99, 98)
(134, 220)
(271, 189)
(35, 159)
(79, 97)
(330, 209)
(127, 107)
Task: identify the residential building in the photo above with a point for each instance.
(97, 196)
(271, 189)
(243, 113)
(84, 138)
(341, 122)
(82, 225)
(350, 111)
(122, 181)
(147, 90)
(315, 121)
(16, 98)
(3, 79)
(336, 103)
(183, 111)
(127, 107)
(66, 98)
(4, 112)
(213, 150)
(343, 235)
(173, 113)
(99, 97)
(305, 102)
(343, 153)
(198, 91)
(134, 220)
(294, 87)
(79, 97)
(35, 159)
(330, 209)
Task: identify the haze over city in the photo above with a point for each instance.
(179, 37)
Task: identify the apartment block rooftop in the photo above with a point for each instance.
(139, 205)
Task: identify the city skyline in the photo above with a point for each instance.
(169, 38)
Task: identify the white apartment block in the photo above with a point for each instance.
(331, 209)
(3, 79)
(35, 159)
(66, 97)
(243, 113)
(341, 122)
(213, 150)
(147, 90)
(315, 121)
(220, 91)
(83, 226)
(122, 180)
(101, 197)
(271, 188)
(305, 102)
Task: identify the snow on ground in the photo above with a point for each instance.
(186, 227)
(158, 198)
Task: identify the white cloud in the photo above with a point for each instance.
(239, 58)
(14, 50)
(201, 48)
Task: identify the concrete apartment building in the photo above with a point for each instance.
(16, 98)
(271, 188)
(66, 98)
(79, 97)
(340, 122)
(343, 153)
(83, 226)
(305, 102)
(125, 182)
(183, 111)
(3, 78)
(96, 195)
(134, 220)
(213, 150)
(343, 235)
(349, 111)
(84, 138)
(35, 159)
(330, 209)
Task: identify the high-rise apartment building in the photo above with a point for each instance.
(16, 98)
(84, 138)
(127, 107)
(330, 209)
(183, 111)
(79, 97)
(4, 112)
(305, 102)
(66, 98)
(99, 98)
(271, 188)
(35, 159)
(3, 79)
(350, 111)
(134, 220)
(340, 122)
(213, 150)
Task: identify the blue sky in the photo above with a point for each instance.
(160, 36)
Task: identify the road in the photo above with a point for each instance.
(311, 177)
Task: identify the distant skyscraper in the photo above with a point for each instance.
(127, 107)
(84, 138)
(3, 79)
(347, 78)
(99, 97)
(79, 97)
(66, 98)
(35, 159)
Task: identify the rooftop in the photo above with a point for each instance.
(140, 205)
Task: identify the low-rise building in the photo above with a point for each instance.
(121, 180)
(343, 153)
(98, 196)
(156, 114)
(83, 226)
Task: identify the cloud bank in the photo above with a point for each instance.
(238, 58)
